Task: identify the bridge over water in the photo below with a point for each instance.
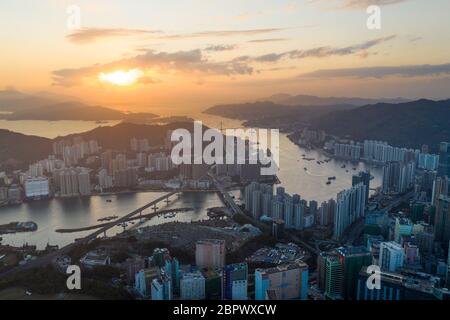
(49, 258)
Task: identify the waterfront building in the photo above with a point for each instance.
(72, 181)
(84, 182)
(428, 161)
(398, 177)
(348, 151)
(36, 187)
(125, 178)
(364, 178)
(14, 194)
(381, 152)
(105, 181)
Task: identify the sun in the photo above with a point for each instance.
(120, 77)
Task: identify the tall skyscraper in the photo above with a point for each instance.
(162, 288)
(352, 260)
(364, 178)
(398, 177)
(350, 206)
(442, 220)
(444, 159)
(277, 208)
(334, 278)
(256, 204)
(143, 280)
(299, 214)
(391, 256)
(235, 281)
(288, 212)
(192, 286)
(172, 269)
(440, 187)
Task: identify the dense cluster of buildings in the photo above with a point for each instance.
(162, 277)
(293, 211)
(296, 213)
(79, 168)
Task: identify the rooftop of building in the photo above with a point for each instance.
(211, 241)
(409, 279)
(352, 251)
(283, 267)
(193, 275)
(210, 273)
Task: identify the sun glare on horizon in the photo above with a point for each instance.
(120, 77)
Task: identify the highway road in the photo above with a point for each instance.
(49, 258)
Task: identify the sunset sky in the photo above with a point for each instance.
(183, 54)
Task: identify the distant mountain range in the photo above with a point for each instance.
(410, 124)
(405, 124)
(269, 114)
(308, 100)
(18, 150)
(16, 105)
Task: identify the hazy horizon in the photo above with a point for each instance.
(179, 55)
